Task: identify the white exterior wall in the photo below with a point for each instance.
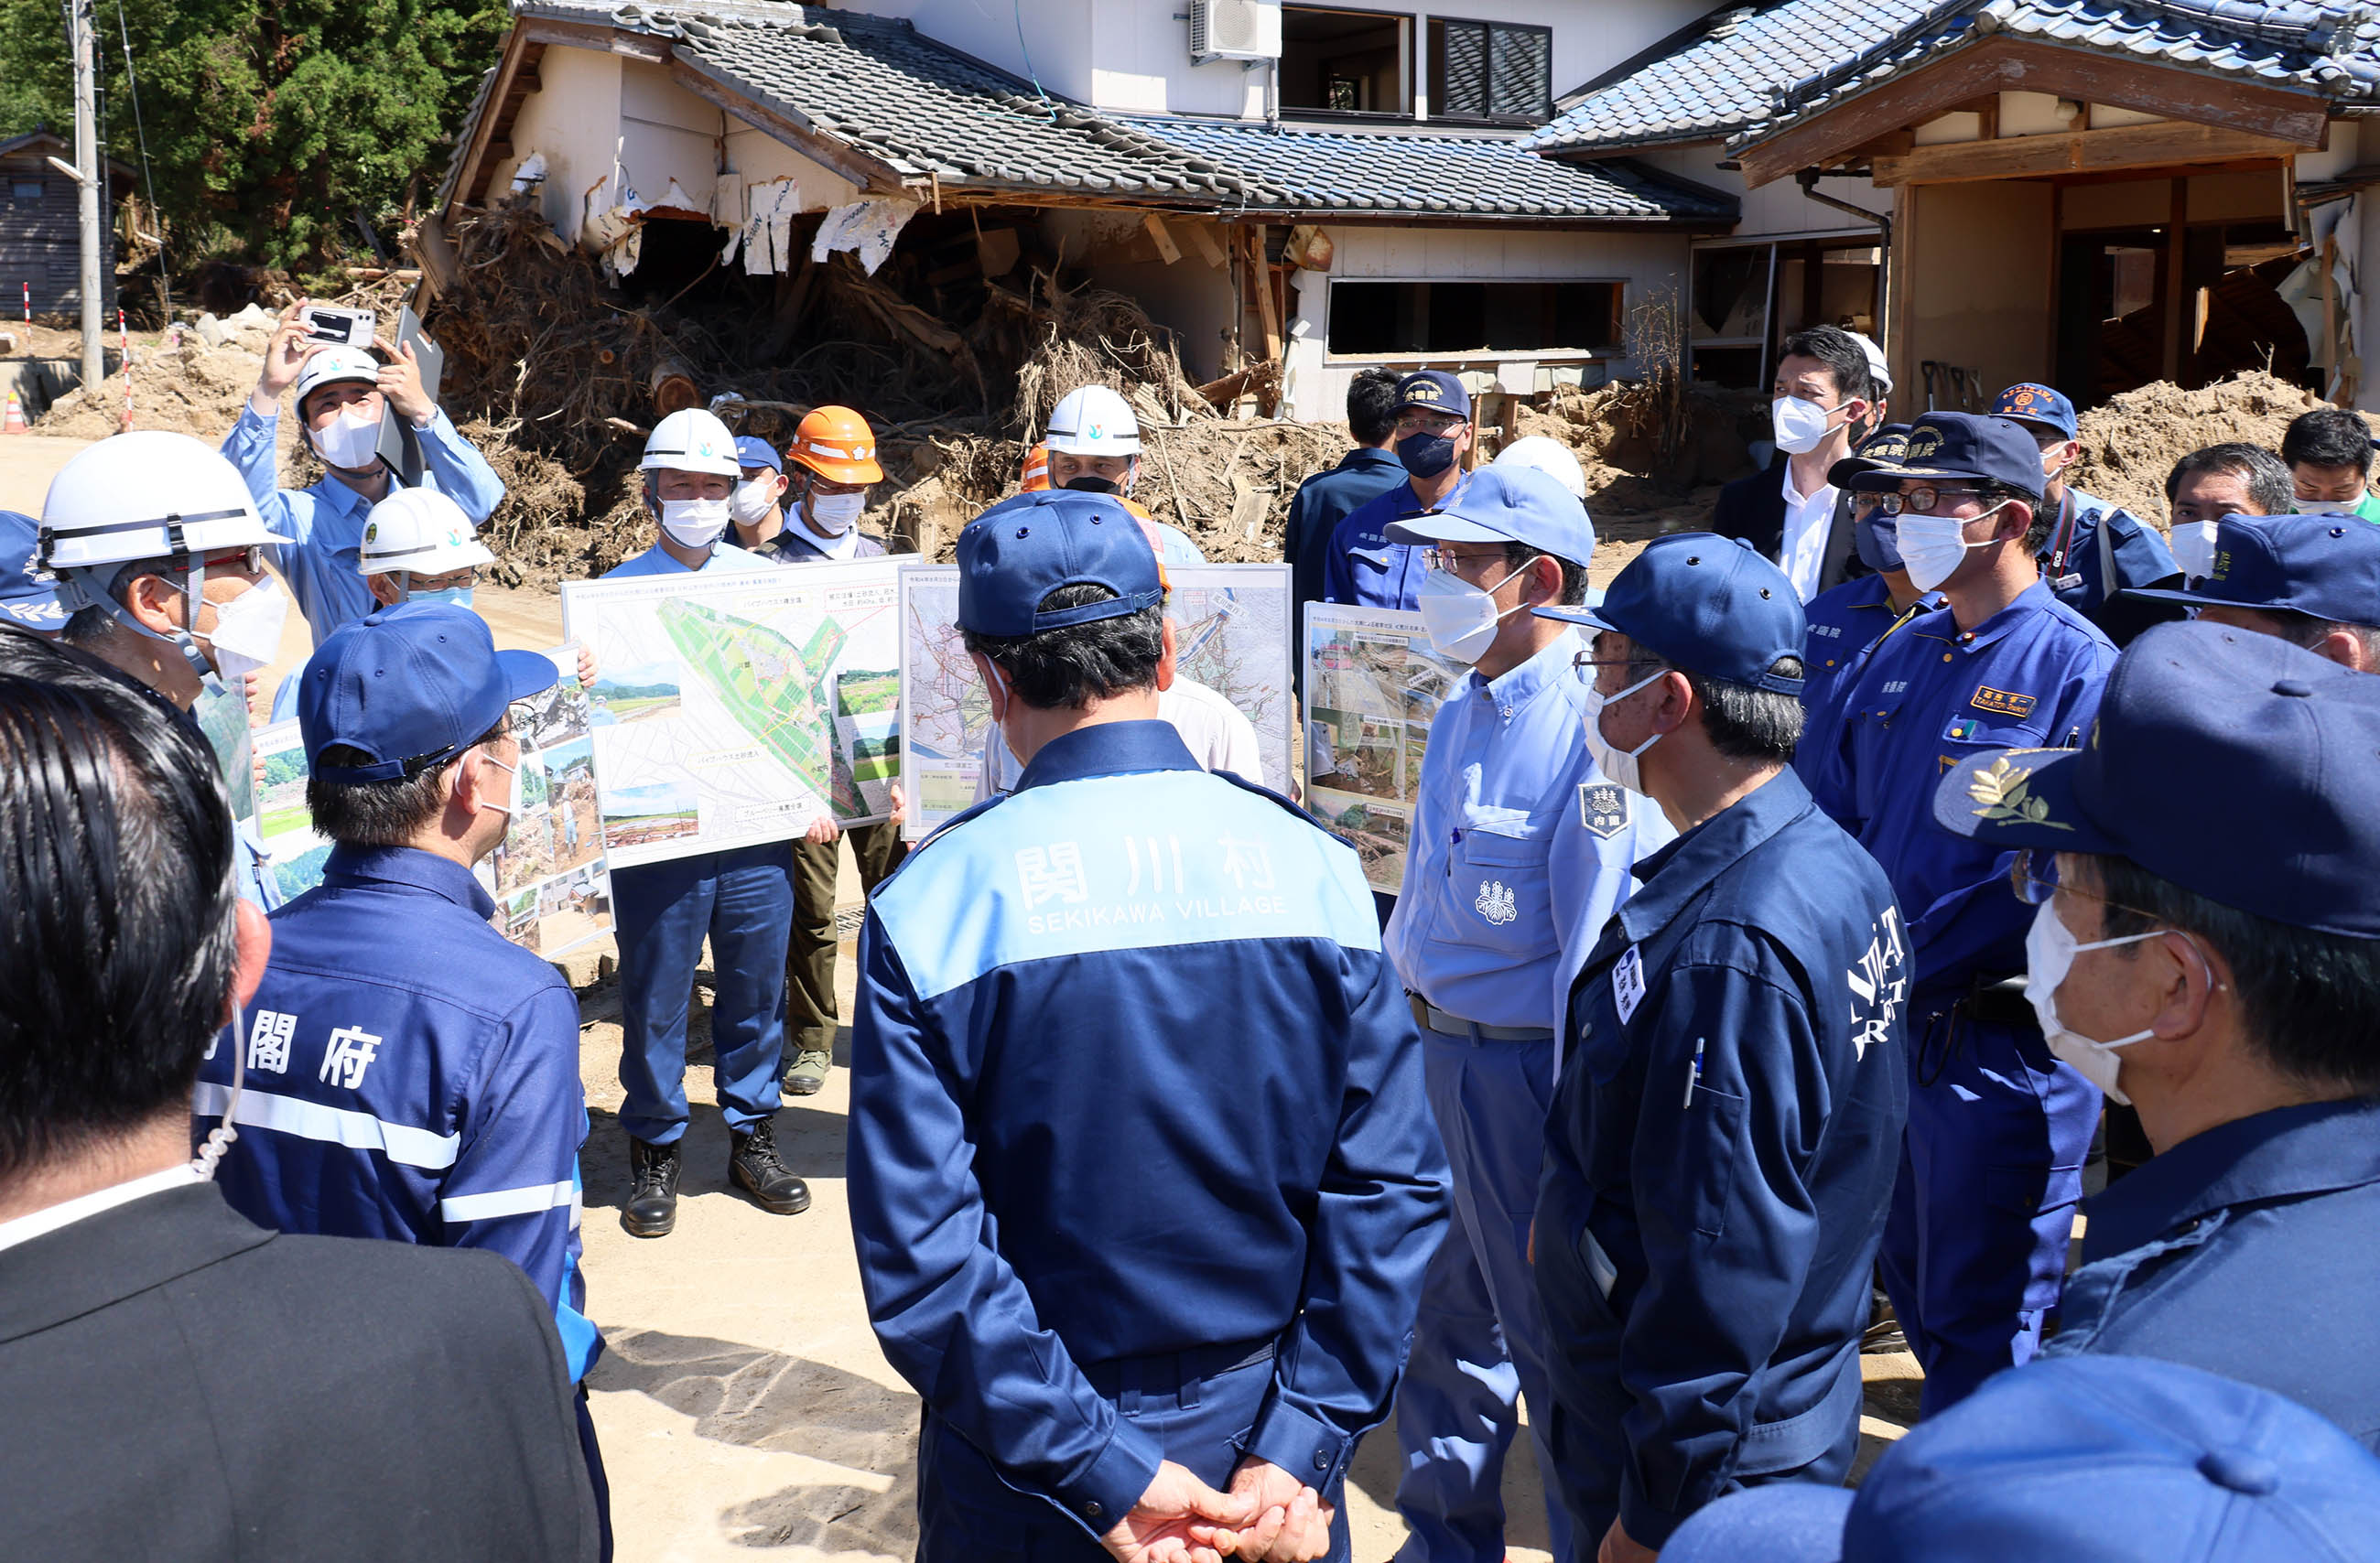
(1647, 263)
(1779, 209)
(1133, 56)
(573, 119)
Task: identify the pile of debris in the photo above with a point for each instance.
(2131, 443)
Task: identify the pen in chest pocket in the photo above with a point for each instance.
(1694, 1074)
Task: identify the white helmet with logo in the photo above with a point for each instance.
(421, 532)
(1093, 422)
(692, 439)
(1549, 456)
(334, 365)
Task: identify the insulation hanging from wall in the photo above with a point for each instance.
(869, 226)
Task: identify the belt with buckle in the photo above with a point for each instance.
(1430, 1017)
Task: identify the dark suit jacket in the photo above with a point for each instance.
(184, 1385)
(1754, 509)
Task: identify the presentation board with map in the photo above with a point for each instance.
(1373, 686)
(734, 708)
(1231, 631)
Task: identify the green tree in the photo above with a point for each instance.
(270, 123)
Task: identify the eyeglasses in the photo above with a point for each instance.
(2034, 878)
(1454, 563)
(1424, 423)
(1924, 502)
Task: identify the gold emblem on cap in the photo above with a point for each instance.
(2004, 792)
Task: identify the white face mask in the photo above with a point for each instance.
(1618, 764)
(836, 514)
(2049, 950)
(1460, 618)
(752, 502)
(1932, 546)
(2193, 547)
(248, 631)
(694, 523)
(1801, 426)
(350, 441)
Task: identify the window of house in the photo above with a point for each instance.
(1490, 70)
(22, 190)
(1345, 62)
(1377, 319)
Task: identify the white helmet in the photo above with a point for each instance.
(1549, 456)
(147, 494)
(334, 365)
(692, 439)
(1093, 422)
(422, 531)
(1878, 369)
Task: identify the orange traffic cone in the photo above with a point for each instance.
(15, 423)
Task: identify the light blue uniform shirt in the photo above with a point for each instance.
(656, 560)
(1520, 848)
(325, 524)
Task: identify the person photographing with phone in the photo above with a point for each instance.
(343, 391)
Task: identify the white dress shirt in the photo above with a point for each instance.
(1802, 551)
(24, 1228)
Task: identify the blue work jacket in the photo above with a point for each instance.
(1519, 848)
(1843, 624)
(1043, 1173)
(1720, 1155)
(1932, 695)
(1362, 567)
(411, 1074)
(2247, 1250)
(1320, 503)
(2089, 536)
(325, 524)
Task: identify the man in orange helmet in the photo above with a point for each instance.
(812, 513)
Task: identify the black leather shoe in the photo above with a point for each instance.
(651, 1210)
(752, 1166)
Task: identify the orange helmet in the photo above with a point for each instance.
(1037, 470)
(837, 444)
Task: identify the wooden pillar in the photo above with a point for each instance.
(2171, 265)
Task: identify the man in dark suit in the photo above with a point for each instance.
(190, 1385)
(1824, 396)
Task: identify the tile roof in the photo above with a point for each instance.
(1757, 69)
(1425, 174)
(898, 96)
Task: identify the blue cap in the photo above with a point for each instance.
(2327, 566)
(29, 594)
(2085, 1460)
(1507, 504)
(2031, 403)
(1885, 447)
(1435, 389)
(753, 451)
(2195, 712)
(412, 687)
(1023, 548)
(1704, 603)
(1954, 445)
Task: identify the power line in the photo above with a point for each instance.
(147, 180)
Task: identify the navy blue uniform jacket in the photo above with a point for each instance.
(2247, 1250)
(1721, 1156)
(1130, 1077)
(1321, 503)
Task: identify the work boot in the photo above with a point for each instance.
(752, 1166)
(651, 1210)
(809, 1071)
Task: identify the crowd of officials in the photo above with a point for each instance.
(1788, 934)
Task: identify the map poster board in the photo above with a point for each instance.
(294, 853)
(734, 708)
(1373, 686)
(1231, 631)
(553, 890)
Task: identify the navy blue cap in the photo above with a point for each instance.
(2083, 1459)
(2325, 564)
(412, 687)
(1507, 504)
(753, 451)
(2195, 712)
(1435, 389)
(29, 594)
(1954, 445)
(1885, 447)
(1023, 548)
(2029, 402)
(1704, 603)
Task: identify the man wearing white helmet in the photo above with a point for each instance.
(1094, 444)
(342, 393)
(1550, 457)
(741, 901)
(419, 547)
(159, 558)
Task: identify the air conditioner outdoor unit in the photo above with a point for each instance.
(1234, 29)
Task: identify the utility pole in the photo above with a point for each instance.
(86, 111)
